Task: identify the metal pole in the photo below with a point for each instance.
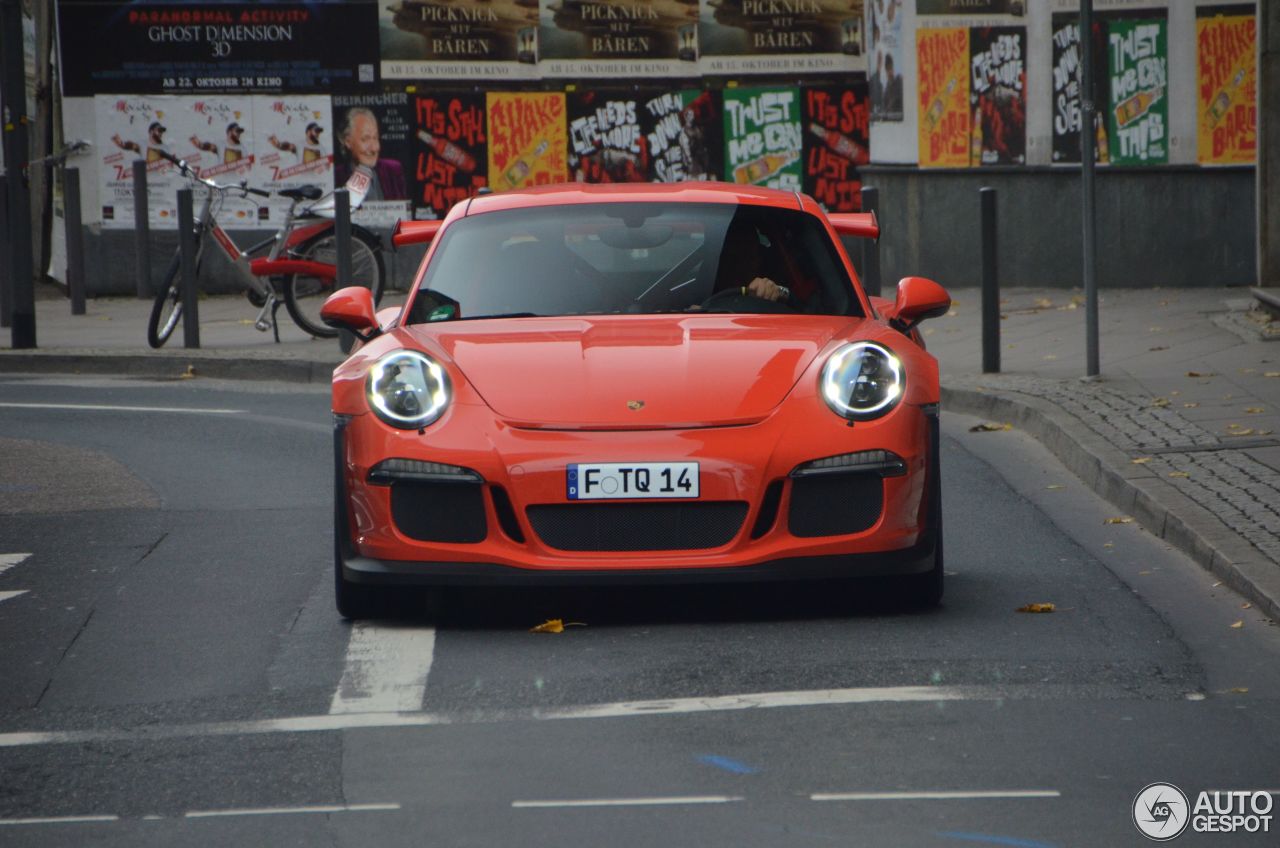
(1088, 201)
(871, 247)
(187, 262)
(141, 229)
(6, 284)
(75, 239)
(13, 122)
(990, 285)
(342, 234)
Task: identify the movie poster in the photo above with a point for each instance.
(132, 127)
(618, 38)
(683, 135)
(884, 25)
(763, 137)
(1226, 40)
(293, 142)
(1138, 70)
(528, 139)
(1017, 8)
(607, 143)
(781, 36)
(942, 65)
(836, 141)
(998, 95)
(1068, 108)
(375, 130)
(479, 40)
(124, 46)
(451, 147)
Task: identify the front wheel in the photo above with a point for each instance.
(166, 311)
(304, 294)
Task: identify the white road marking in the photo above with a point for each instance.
(290, 811)
(935, 796)
(4, 596)
(386, 670)
(765, 700)
(61, 820)
(356, 721)
(8, 561)
(100, 407)
(630, 802)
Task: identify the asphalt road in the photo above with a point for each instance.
(173, 671)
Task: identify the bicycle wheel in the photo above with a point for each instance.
(166, 311)
(304, 294)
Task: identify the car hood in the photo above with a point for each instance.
(634, 372)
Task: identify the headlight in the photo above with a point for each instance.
(407, 389)
(862, 380)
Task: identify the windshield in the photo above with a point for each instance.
(606, 258)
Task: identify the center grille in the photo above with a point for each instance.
(638, 526)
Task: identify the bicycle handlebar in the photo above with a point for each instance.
(188, 171)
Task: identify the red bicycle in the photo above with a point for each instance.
(296, 267)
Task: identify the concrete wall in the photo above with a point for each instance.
(1176, 227)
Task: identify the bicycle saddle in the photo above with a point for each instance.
(306, 192)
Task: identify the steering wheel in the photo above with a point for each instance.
(733, 300)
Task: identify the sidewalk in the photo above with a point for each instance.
(1181, 433)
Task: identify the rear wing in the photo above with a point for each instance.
(414, 232)
(859, 224)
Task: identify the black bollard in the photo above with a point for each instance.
(187, 269)
(990, 285)
(75, 239)
(6, 290)
(871, 247)
(141, 229)
(342, 235)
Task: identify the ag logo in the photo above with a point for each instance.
(1161, 812)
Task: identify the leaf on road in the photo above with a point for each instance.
(1201, 374)
(189, 374)
(1142, 460)
(1237, 430)
(1239, 690)
(1055, 486)
(1238, 625)
(551, 625)
(1036, 608)
(1044, 303)
(1190, 405)
(1179, 474)
(1254, 410)
(1160, 403)
(1122, 519)
(989, 427)
(1158, 347)
(1246, 606)
(1272, 374)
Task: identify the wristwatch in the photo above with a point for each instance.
(786, 292)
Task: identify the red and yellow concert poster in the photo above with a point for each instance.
(528, 139)
(836, 122)
(1227, 86)
(942, 60)
(449, 151)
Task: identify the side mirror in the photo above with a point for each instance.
(351, 309)
(918, 298)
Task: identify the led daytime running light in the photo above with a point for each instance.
(407, 389)
(862, 380)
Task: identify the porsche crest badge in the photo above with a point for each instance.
(635, 405)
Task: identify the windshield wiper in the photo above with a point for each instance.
(675, 269)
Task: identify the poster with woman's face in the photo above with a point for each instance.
(884, 59)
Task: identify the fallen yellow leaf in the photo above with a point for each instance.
(1190, 405)
(1238, 690)
(1263, 433)
(1179, 474)
(1237, 430)
(1142, 460)
(1200, 374)
(1043, 303)
(1246, 606)
(989, 427)
(1238, 625)
(1160, 403)
(1272, 374)
(188, 374)
(551, 625)
(1036, 608)
(1254, 410)
(1055, 486)
(1123, 519)
(1050, 356)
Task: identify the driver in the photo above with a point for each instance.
(743, 262)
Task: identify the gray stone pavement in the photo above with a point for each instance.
(1181, 432)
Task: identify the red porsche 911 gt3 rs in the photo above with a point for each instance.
(596, 383)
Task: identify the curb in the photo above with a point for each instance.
(1159, 507)
(168, 366)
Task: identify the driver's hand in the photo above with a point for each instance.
(765, 288)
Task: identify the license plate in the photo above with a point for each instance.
(611, 480)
